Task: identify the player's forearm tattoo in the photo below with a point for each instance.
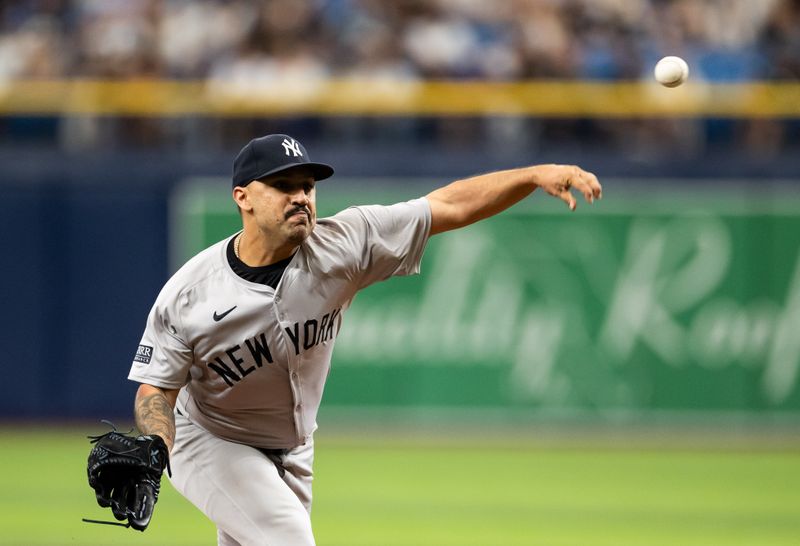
(154, 416)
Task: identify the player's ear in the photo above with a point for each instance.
(241, 198)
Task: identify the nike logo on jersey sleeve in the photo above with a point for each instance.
(220, 316)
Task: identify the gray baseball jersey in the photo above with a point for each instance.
(251, 362)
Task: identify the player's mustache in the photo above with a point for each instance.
(295, 210)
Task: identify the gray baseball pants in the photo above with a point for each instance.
(252, 501)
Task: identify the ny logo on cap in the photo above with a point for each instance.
(291, 145)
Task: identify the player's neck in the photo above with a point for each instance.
(255, 250)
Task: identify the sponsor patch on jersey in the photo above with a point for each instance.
(143, 354)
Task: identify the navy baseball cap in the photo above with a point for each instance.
(271, 154)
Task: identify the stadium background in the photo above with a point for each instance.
(623, 375)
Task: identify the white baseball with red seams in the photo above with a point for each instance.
(671, 71)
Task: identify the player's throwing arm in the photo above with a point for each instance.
(466, 201)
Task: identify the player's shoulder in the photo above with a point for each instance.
(350, 215)
(359, 215)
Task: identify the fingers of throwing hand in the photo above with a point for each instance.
(559, 180)
(590, 186)
(568, 198)
(594, 184)
(586, 183)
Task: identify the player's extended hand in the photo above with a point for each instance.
(558, 181)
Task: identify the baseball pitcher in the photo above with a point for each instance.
(238, 344)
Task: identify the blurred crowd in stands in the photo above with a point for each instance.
(500, 39)
(245, 43)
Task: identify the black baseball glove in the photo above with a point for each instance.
(125, 473)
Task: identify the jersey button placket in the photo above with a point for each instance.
(294, 377)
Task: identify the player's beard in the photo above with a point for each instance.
(301, 227)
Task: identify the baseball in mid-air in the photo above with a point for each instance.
(671, 71)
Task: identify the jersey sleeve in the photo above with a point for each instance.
(387, 240)
(163, 357)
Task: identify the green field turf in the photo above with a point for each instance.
(422, 492)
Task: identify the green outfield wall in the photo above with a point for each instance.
(650, 302)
